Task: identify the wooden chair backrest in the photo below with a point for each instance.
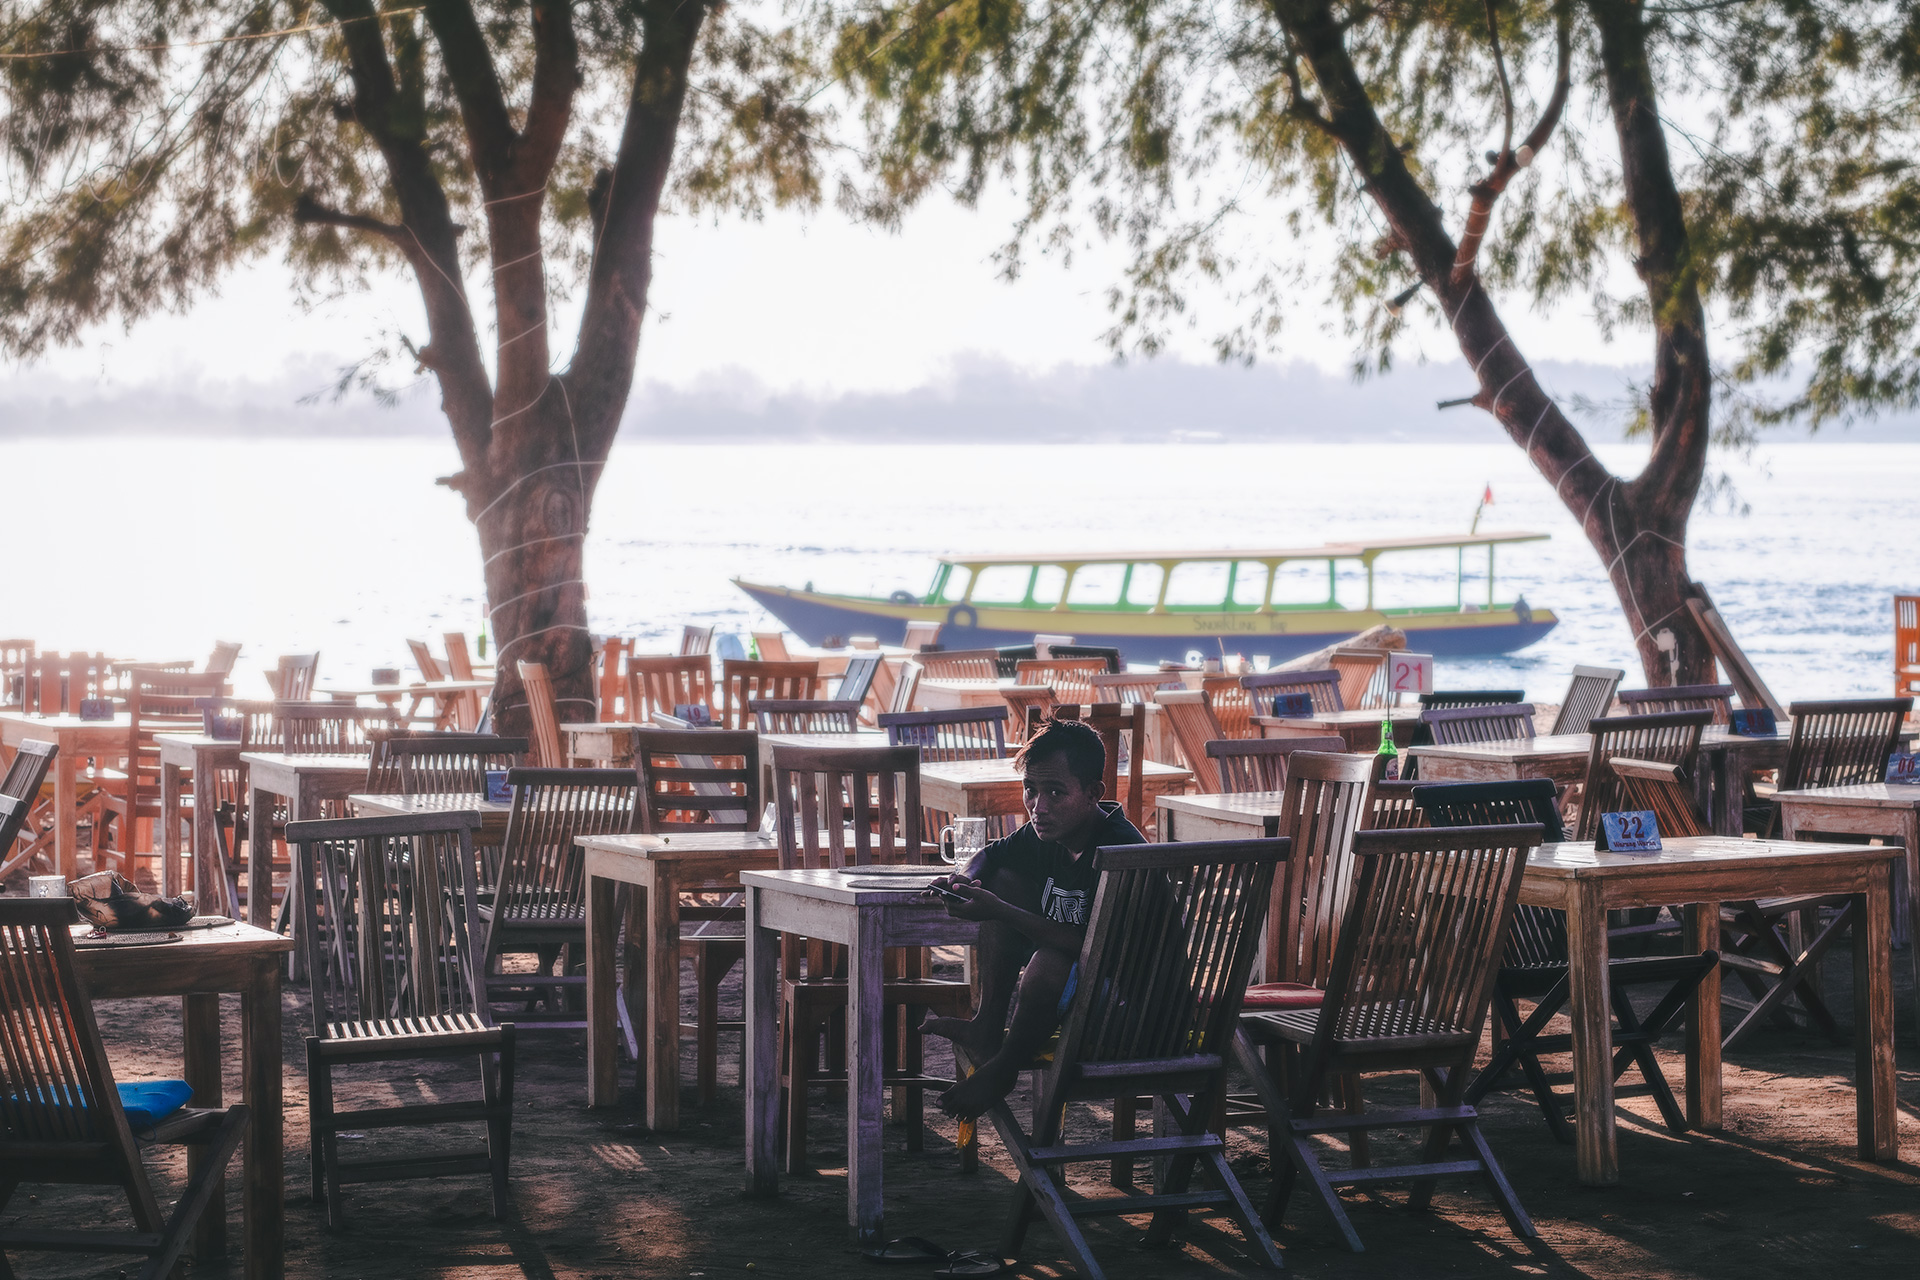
(390, 920)
(616, 705)
(1325, 802)
(329, 728)
(823, 795)
(162, 702)
(743, 681)
(1363, 677)
(1071, 678)
(1105, 653)
(542, 868)
(1538, 936)
(1171, 938)
(1123, 731)
(293, 675)
(1420, 946)
(1028, 705)
(1664, 790)
(661, 684)
(772, 646)
(57, 683)
(695, 641)
(1501, 722)
(1131, 686)
(1906, 646)
(960, 664)
(1589, 695)
(698, 779)
(1322, 686)
(1394, 808)
(430, 666)
(907, 688)
(920, 634)
(1441, 698)
(1231, 706)
(1186, 713)
(1260, 764)
(1717, 698)
(960, 733)
(419, 764)
(1667, 737)
(803, 715)
(259, 720)
(58, 1102)
(856, 682)
(20, 789)
(542, 716)
(459, 657)
(220, 661)
(17, 653)
(1838, 743)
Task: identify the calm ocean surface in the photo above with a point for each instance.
(349, 548)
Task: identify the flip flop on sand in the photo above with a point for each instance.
(906, 1249)
(972, 1262)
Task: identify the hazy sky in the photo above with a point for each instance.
(796, 303)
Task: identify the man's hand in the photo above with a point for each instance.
(979, 903)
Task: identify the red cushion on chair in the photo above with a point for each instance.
(1282, 995)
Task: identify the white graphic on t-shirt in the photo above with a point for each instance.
(1068, 906)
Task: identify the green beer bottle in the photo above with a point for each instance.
(1387, 750)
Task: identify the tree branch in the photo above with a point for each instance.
(308, 211)
(476, 84)
(556, 78)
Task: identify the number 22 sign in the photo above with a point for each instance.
(1410, 673)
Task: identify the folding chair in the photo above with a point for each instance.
(1171, 938)
(1589, 695)
(803, 715)
(741, 682)
(1260, 764)
(19, 797)
(1717, 698)
(1397, 1001)
(1322, 686)
(64, 1120)
(417, 764)
(542, 715)
(1194, 726)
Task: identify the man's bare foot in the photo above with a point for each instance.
(980, 1039)
(976, 1095)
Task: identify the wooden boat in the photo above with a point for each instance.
(1162, 605)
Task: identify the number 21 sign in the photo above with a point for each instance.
(1410, 673)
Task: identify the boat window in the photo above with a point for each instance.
(1143, 588)
(1299, 582)
(957, 578)
(1250, 584)
(1048, 582)
(1096, 584)
(1003, 583)
(1197, 582)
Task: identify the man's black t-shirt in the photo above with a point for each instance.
(1066, 882)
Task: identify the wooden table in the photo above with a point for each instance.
(203, 964)
(199, 758)
(1359, 729)
(660, 868)
(493, 817)
(387, 695)
(77, 739)
(1701, 872)
(602, 744)
(1869, 809)
(1245, 815)
(306, 782)
(821, 904)
(951, 695)
(992, 788)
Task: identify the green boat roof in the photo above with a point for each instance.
(1330, 551)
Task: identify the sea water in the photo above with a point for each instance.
(156, 549)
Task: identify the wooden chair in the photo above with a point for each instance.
(418, 764)
(803, 715)
(701, 780)
(540, 902)
(1132, 686)
(14, 656)
(1394, 805)
(65, 1120)
(1186, 713)
(1499, 722)
(1396, 1002)
(742, 682)
(1322, 686)
(1588, 697)
(389, 922)
(1717, 698)
(611, 663)
(330, 728)
(1363, 677)
(919, 635)
(1110, 656)
(856, 682)
(661, 684)
(57, 683)
(1324, 803)
(825, 798)
(1260, 764)
(772, 646)
(292, 677)
(1470, 698)
(1667, 737)
(19, 799)
(959, 733)
(1070, 678)
(1027, 706)
(1171, 938)
(1534, 966)
(542, 715)
(1840, 743)
(157, 702)
(468, 709)
(695, 641)
(907, 688)
(960, 664)
(220, 661)
(1123, 731)
(1227, 699)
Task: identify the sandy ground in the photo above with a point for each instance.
(1778, 1192)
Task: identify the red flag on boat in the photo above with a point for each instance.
(1487, 497)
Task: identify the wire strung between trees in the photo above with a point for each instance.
(201, 44)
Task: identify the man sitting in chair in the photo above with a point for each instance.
(1032, 893)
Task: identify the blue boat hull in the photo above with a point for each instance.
(816, 621)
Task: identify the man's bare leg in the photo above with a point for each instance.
(1001, 952)
(1035, 1016)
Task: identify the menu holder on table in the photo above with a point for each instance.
(1293, 704)
(1754, 722)
(96, 708)
(1635, 832)
(1903, 769)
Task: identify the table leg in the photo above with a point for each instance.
(762, 1074)
(1874, 1099)
(260, 857)
(200, 1015)
(603, 1076)
(865, 1122)
(1910, 839)
(1596, 1143)
(303, 806)
(265, 1155)
(1702, 931)
(663, 1001)
(66, 818)
(169, 841)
